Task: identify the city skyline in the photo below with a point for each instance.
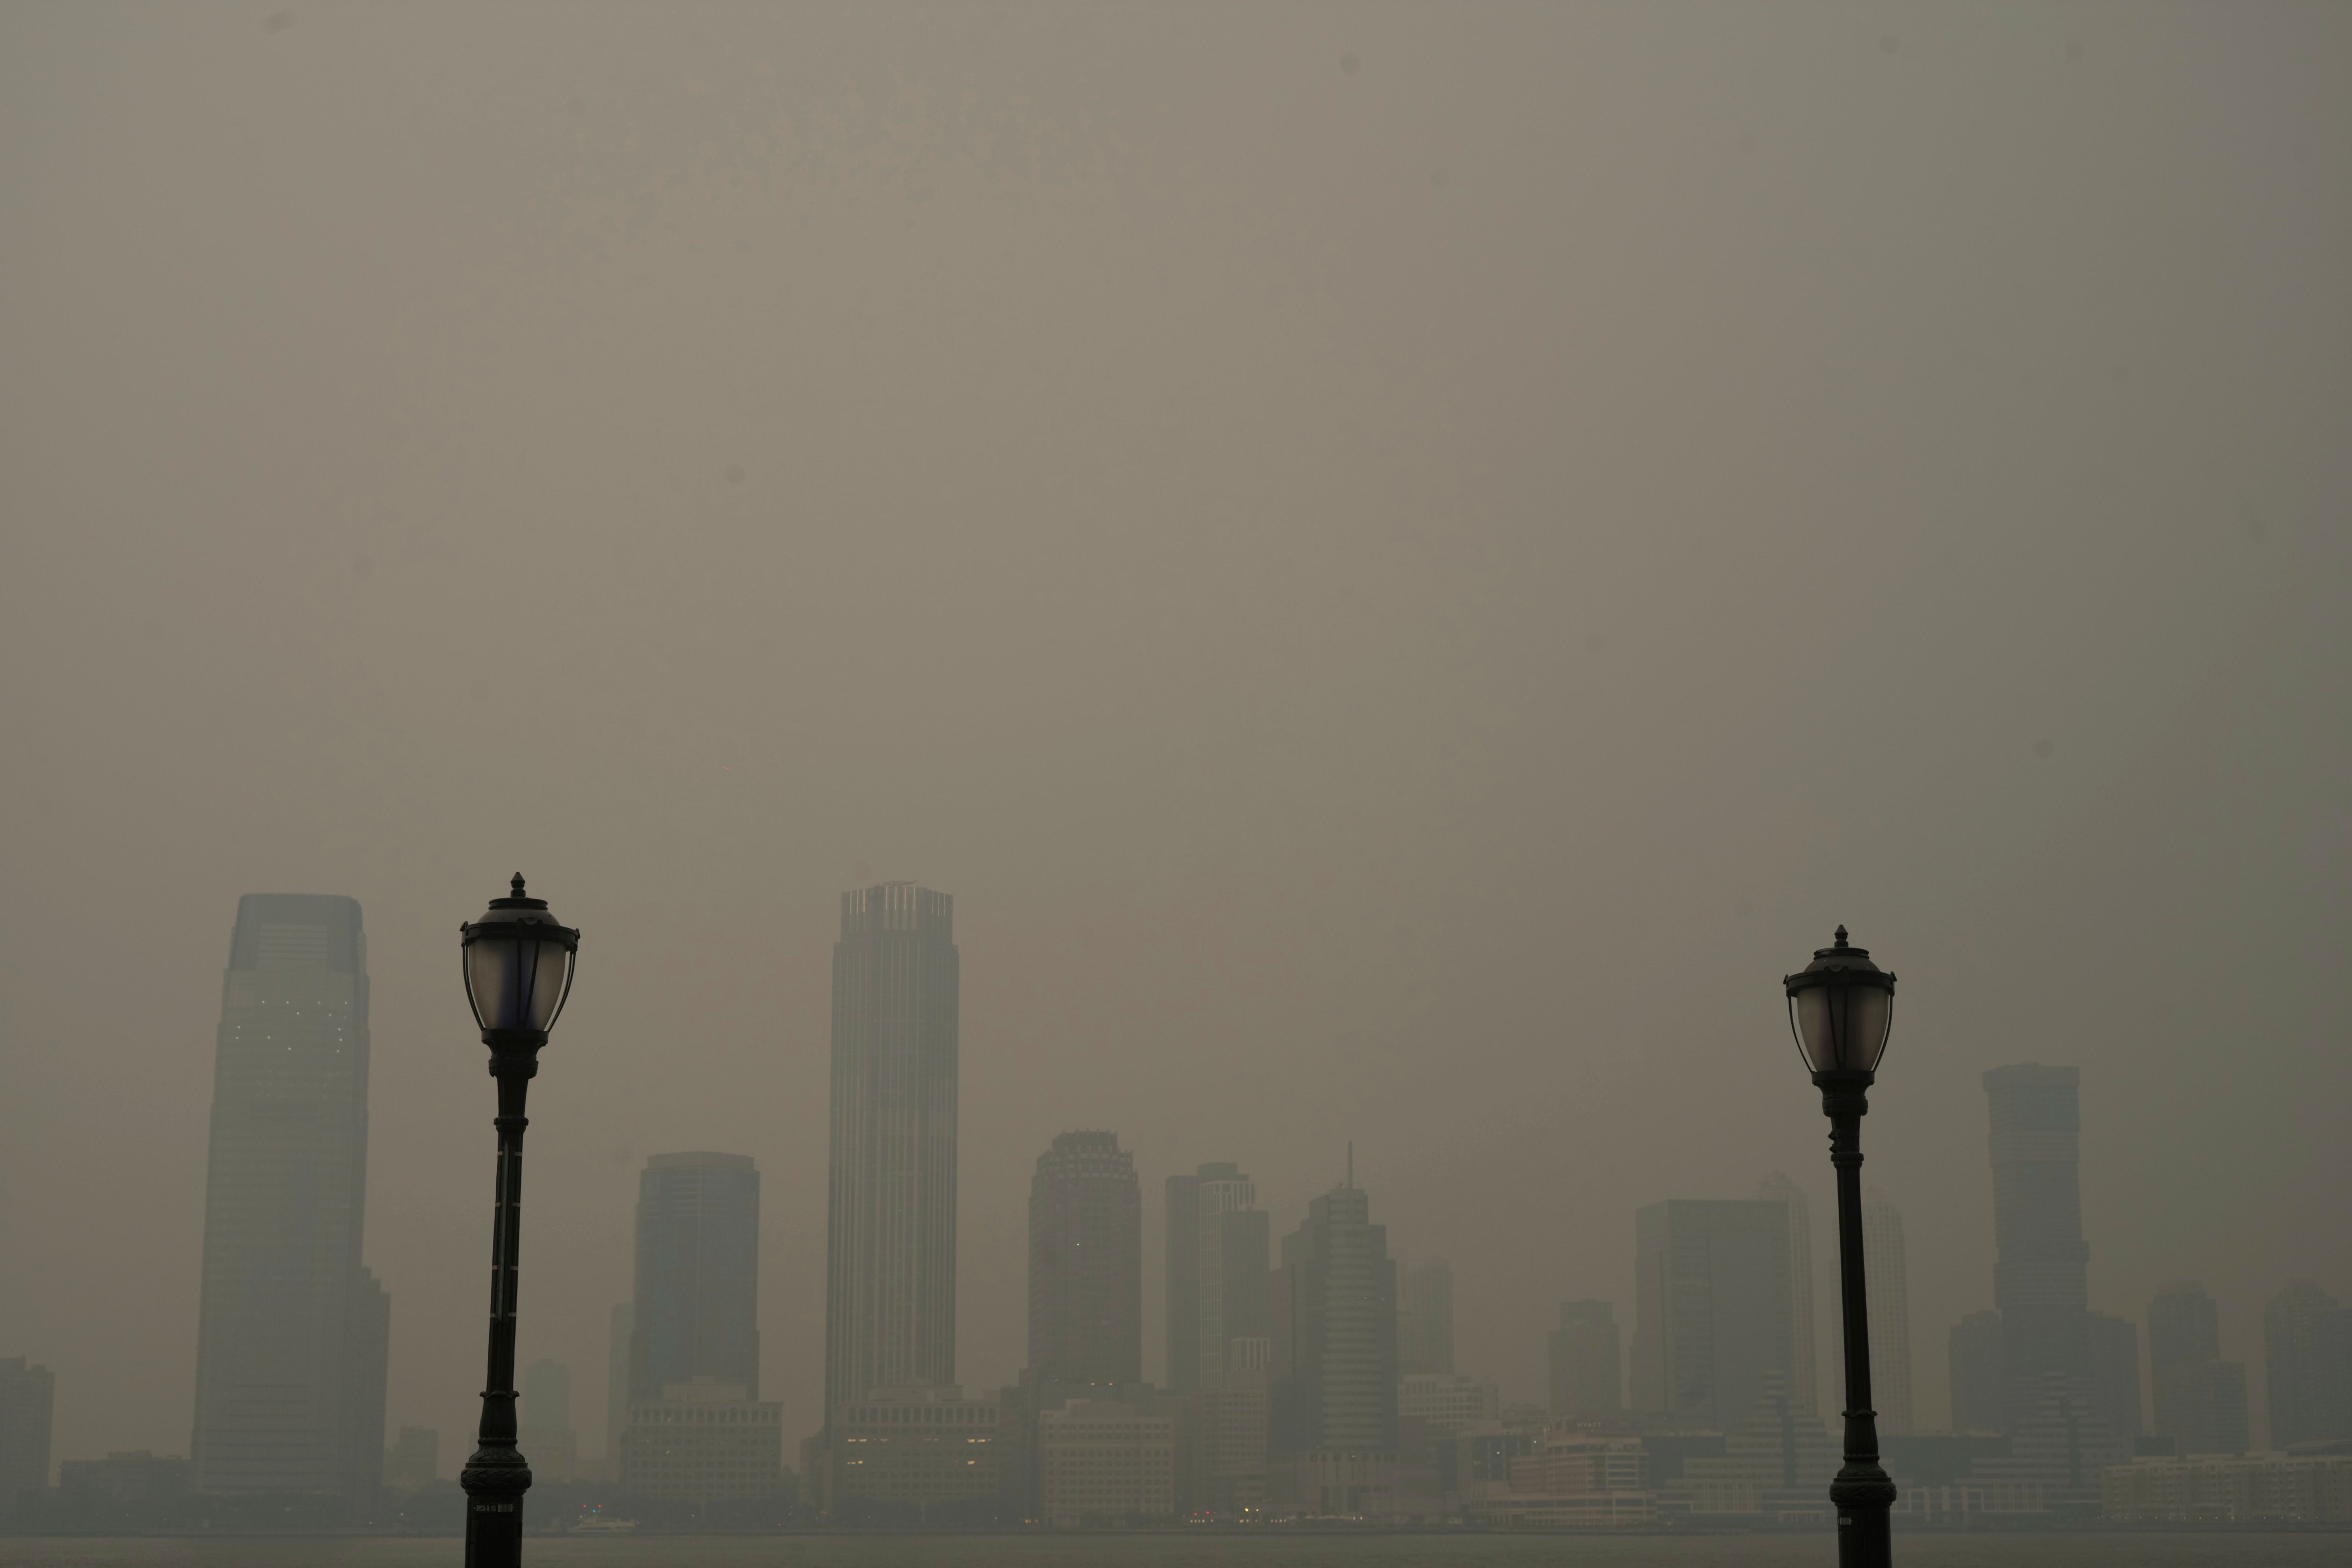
(1298, 516)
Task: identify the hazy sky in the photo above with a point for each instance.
(1403, 564)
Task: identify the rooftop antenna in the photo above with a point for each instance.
(1352, 1164)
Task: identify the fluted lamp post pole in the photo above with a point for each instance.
(1840, 1007)
(519, 964)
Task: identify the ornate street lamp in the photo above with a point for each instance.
(518, 966)
(1840, 1007)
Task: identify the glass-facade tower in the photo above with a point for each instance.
(1085, 1263)
(891, 1248)
(1218, 1279)
(292, 1333)
(697, 1311)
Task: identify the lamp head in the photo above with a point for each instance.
(518, 965)
(1841, 1008)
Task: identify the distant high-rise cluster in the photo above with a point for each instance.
(293, 1333)
(1320, 1375)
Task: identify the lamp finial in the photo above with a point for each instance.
(518, 893)
(1841, 931)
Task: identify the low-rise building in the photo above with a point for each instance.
(131, 1480)
(702, 1440)
(1775, 1467)
(1570, 1480)
(916, 1453)
(1106, 1461)
(2214, 1489)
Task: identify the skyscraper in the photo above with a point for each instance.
(2042, 1268)
(27, 1402)
(2201, 1399)
(2307, 1361)
(1334, 1388)
(1888, 1273)
(1425, 1317)
(1218, 1281)
(1588, 1379)
(695, 1425)
(292, 1334)
(889, 1317)
(1085, 1263)
(697, 1276)
(1712, 1309)
(1804, 1373)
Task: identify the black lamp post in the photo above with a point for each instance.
(1840, 1007)
(518, 966)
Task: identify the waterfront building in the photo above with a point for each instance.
(2307, 1361)
(890, 1251)
(1334, 1383)
(917, 1453)
(2201, 1399)
(1085, 1262)
(1775, 1467)
(2206, 1490)
(702, 1440)
(1106, 1462)
(120, 1484)
(1569, 1479)
(29, 1394)
(1587, 1363)
(2056, 1450)
(1218, 1281)
(1713, 1310)
(1230, 1467)
(293, 1334)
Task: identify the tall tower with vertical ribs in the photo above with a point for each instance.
(890, 1258)
(292, 1333)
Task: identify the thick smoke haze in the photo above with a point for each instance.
(1403, 564)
